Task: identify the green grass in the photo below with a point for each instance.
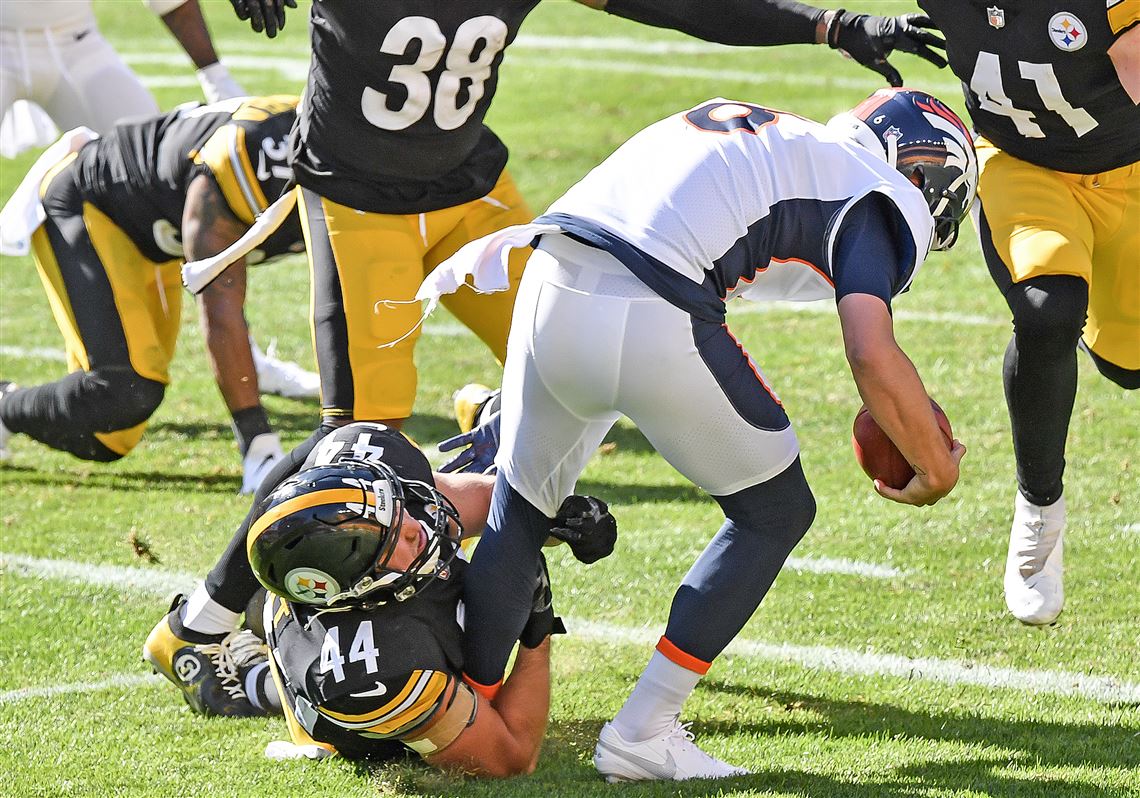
(804, 731)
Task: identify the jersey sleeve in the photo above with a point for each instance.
(873, 253)
(1122, 15)
(226, 156)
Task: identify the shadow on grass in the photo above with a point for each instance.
(566, 768)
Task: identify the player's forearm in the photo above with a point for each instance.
(188, 26)
(747, 22)
(524, 702)
(892, 390)
(227, 339)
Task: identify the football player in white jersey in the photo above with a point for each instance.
(621, 311)
(54, 55)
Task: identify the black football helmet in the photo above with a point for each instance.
(926, 141)
(325, 535)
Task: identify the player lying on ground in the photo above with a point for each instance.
(360, 549)
(622, 311)
(118, 217)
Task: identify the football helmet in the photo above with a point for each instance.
(325, 535)
(921, 137)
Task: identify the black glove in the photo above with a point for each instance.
(263, 15)
(586, 524)
(482, 445)
(869, 40)
(542, 622)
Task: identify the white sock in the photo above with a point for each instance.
(656, 700)
(204, 615)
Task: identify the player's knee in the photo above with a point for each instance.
(130, 399)
(1049, 311)
(782, 507)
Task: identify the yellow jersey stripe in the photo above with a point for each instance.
(1123, 14)
(422, 691)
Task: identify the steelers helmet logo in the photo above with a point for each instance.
(1067, 32)
(310, 585)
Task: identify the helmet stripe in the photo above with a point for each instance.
(303, 502)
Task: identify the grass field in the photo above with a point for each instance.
(883, 662)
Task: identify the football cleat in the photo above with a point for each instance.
(218, 674)
(470, 401)
(671, 757)
(282, 377)
(263, 453)
(6, 387)
(1034, 584)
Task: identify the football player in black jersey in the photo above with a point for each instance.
(1053, 89)
(120, 215)
(396, 171)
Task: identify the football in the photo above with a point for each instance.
(878, 455)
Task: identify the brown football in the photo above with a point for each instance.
(878, 455)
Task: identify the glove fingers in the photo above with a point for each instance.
(269, 14)
(241, 9)
(887, 71)
(454, 443)
(456, 463)
(291, 3)
(930, 55)
(918, 21)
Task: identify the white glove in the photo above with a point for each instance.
(263, 453)
(282, 750)
(218, 84)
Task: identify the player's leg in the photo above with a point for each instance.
(118, 313)
(95, 87)
(1112, 333)
(556, 385)
(704, 405)
(486, 315)
(365, 269)
(1038, 242)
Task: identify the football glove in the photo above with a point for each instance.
(482, 445)
(586, 524)
(542, 622)
(263, 15)
(869, 40)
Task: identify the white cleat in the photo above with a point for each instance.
(671, 757)
(1034, 584)
(263, 453)
(282, 377)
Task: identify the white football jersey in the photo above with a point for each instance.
(738, 199)
(38, 14)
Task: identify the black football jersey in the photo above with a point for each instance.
(1038, 80)
(362, 679)
(138, 173)
(369, 441)
(392, 120)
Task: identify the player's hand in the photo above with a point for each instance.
(542, 622)
(482, 445)
(869, 40)
(923, 490)
(586, 524)
(263, 15)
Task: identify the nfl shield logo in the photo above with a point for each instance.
(996, 17)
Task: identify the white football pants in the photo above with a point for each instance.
(590, 342)
(73, 74)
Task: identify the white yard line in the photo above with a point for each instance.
(825, 658)
(121, 680)
(33, 353)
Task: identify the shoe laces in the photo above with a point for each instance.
(237, 650)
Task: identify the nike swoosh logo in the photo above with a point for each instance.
(379, 690)
(664, 768)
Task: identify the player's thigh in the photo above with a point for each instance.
(98, 88)
(365, 270)
(701, 400)
(147, 296)
(487, 315)
(1035, 224)
(559, 383)
(1113, 327)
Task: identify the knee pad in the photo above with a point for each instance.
(783, 506)
(1049, 311)
(128, 399)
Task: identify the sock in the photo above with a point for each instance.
(260, 688)
(203, 615)
(655, 703)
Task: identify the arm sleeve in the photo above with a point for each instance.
(751, 22)
(871, 250)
